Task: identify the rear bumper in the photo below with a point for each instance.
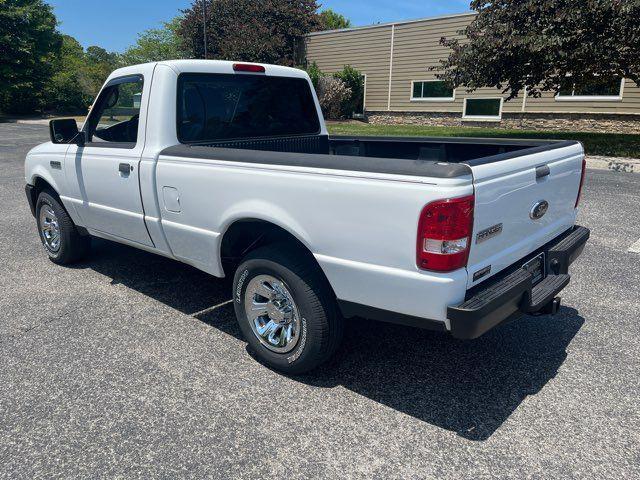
(512, 293)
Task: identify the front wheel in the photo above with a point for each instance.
(286, 309)
(59, 236)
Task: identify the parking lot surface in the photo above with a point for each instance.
(131, 365)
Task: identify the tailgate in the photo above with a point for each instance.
(511, 193)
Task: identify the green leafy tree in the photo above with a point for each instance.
(78, 76)
(99, 63)
(68, 90)
(157, 44)
(29, 45)
(330, 20)
(540, 44)
(269, 31)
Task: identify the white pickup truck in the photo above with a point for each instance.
(229, 167)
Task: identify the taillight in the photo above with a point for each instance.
(444, 234)
(582, 176)
(248, 67)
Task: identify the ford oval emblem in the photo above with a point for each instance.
(539, 209)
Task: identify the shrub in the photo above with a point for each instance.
(348, 77)
(354, 80)
(332, 93)
(314, 73)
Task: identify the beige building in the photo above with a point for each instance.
(400, 88)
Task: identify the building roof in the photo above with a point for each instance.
(389, 24)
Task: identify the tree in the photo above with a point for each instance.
(99, 63)
(330, 20)
(269, 31)
(68, 89)
(29, 44)
(78, 76)
(156, 44)
(545, 44)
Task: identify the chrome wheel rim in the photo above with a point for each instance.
(272, 313)
(49, 228)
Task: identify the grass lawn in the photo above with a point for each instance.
(609, 144)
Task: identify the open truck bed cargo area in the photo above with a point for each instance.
(441, 157)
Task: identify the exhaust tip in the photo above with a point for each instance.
(550, 308)
(555, 305)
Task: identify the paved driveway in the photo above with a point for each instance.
(131, 365)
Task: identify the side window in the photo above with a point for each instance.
(116, 114)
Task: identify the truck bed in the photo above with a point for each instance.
(440, 157)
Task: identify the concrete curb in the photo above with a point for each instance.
(617, 164)
(44, 121)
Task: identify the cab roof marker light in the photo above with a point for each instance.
(248, 67)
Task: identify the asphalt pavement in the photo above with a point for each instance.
(130, 365)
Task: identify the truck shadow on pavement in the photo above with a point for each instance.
(469, 387)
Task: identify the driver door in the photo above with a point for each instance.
(105, 169)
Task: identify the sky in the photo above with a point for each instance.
(115, 24)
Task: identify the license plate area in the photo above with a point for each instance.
(537, 268)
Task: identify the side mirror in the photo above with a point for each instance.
(65, 130)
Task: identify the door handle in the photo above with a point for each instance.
(542, 171)
(125, 168)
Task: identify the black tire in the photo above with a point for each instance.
(321, 322)
(73, 246)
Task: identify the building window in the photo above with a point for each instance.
(601, 89)
(482, 109)
(431, 91)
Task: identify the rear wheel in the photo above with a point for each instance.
(59, 236)
(286, 309)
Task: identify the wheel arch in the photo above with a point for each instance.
(244, 235)
(41, 184)
(33, 189)
(41, 177)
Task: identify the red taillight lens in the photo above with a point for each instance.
(444, 234)
(584, 174)
(248, 67)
